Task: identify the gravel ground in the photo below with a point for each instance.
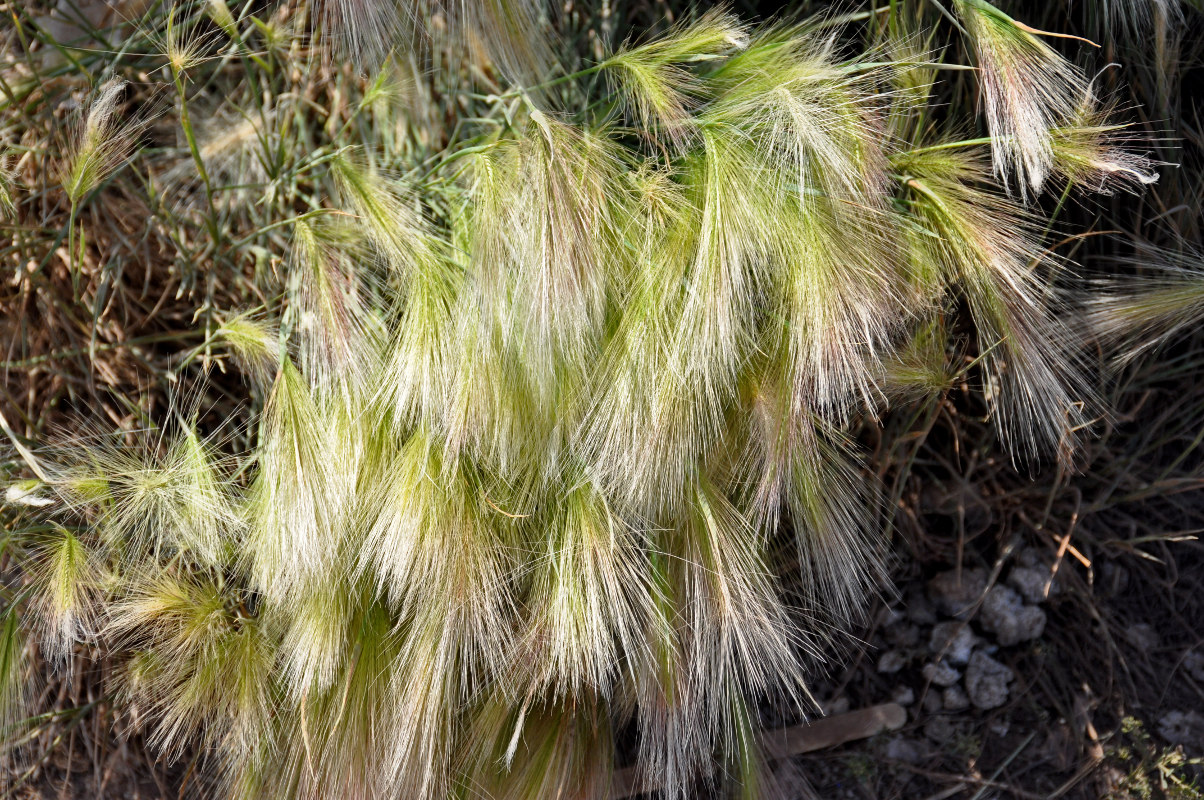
(1005, 699)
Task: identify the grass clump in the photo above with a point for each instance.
(553, 408)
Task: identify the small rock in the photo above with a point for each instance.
(987, 681)
(953, 640)
(908, 751)
(1142, 636)
(1005, 615)
(953, 597)
(1178, 727)
(954, 699)
(904, 696)
(891, 662)
(1030, 582)
(919, 608)
(932, 702)
(1193, 662)
(836, 705)
(999, 727)
(941, 674)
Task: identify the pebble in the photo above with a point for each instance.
(1193, 662)
(904, 696)
(908, 751)
(1030, 582)
(1005, 615)
(954, 699)
(1178, 727)
(891, 662)
(941, 674)
(954, 597)
(919, 608)
(954, 640)
(987, 681)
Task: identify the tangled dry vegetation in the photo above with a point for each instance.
(470, 399)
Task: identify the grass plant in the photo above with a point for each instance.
(551, 356)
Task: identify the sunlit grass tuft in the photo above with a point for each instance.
(563, 380)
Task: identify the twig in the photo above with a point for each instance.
(969, 779)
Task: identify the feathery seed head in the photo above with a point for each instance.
(338, 336)
(319, 633)
(655, 78)
(514, 34)
(912, 79)
(254, 344)
(86, 485)
(921, 367)
(509, 33)
(1134, 17)
(168, 500)
(1093, 154)
(389, 217)
(557, 411)
(294, 502)
(276, 32)
(8, 199)
(1135, 319)
(557, 241)
(794, 100)
(67, 584)
(591, 599)
(1028, 90)
(184, 49)
(733, 640)
(219, 12)
(366, 30)
(204, 669)
(102, 143)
